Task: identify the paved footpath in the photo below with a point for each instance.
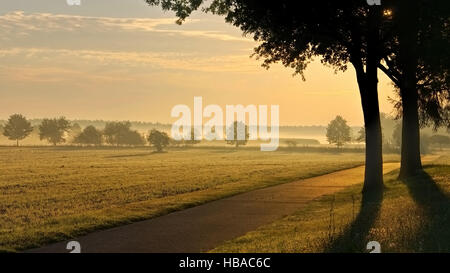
(201, 228)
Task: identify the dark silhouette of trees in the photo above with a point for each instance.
(54, 130)
(133, 138)
(338, 132)
(90, 135)
(120, 133)
(233, 134)
(17, 128)
(158, 139)
(417, 59)
(115, 132)
(293, 32)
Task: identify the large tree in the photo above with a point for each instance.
(417, 59)
(293, 32)
(17, 128)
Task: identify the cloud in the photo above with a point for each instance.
(130, 60)
(21, 23)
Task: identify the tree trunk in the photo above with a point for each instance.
(373, 176)
(411, 163)
(368, 85)
(17, 142)
(410, 149)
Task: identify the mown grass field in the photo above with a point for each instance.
(410, 216)
(49, 194)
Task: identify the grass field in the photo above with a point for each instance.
(410, 216)
(53, 193)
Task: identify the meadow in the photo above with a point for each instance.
(411, 215)
(50, 194)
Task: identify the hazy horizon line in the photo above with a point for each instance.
(3, 119)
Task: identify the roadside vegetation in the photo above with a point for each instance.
(412, 215)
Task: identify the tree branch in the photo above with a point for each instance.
(389, 74)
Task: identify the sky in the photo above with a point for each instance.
(125, 60)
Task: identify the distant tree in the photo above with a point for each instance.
(116, 132)
(440, 140)
(17, 128)
(120, 133)
(192, 140)
(361, 135)
(54, 130)
(2, 128)
(338, 132)
(232, 139)
(425, 139)
(158, 139)
(75, 129)
(133, 138)
(90, 135)
(388, 123)
(397, 135)
(424, 143)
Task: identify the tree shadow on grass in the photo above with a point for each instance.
(354, 237)
(434, 231)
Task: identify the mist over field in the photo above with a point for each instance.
(306, 135)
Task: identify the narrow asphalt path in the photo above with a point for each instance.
(203, 227)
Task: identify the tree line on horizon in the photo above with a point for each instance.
(119, 133)
(114, 133)
(56, 130)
